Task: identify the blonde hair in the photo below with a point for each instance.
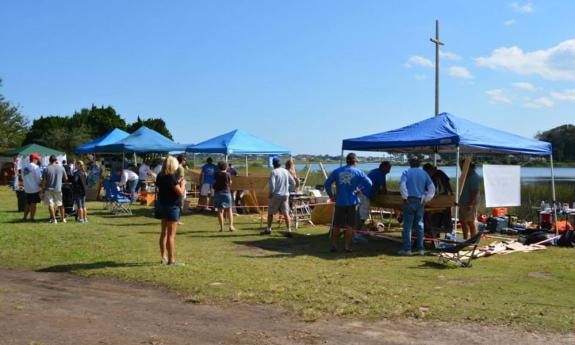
(80, 165)
(170, 166)
(290, 166)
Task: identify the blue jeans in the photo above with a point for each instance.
(412, 218)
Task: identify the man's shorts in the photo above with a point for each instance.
(207, 190)
(53, 199)
(33, 198)
(363, 208)
(345, 217)
(468, 214)
(278, 203)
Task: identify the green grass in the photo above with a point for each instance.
(298, 274)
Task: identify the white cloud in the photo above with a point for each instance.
(418, 60)
(460, 72)
(498, 96)
(565, 95)
(420, 77)
(541, 102)
(509, 22)
(525, 86)
(525, 8)
(555, 63)
(449, 55)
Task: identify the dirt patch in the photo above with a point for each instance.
(60, 308)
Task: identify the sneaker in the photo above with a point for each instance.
(63, 220)
(85, 220)
(421, 252)
(404, 253)
(53, 221)
(289, 234)
(176, 263)
(79, 221)
(266, 232)
(164, 262)
(232, 229)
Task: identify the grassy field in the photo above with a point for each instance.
(524, 290)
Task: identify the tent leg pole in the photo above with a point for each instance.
(123, 159)
(456, 191)
(341, 158)
(246, 165)
(554, 195)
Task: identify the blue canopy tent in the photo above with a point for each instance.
(237, 142)
(144, 140)
(448, 133)
(109, 138)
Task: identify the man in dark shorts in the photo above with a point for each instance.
(348, 182)
(32, 176)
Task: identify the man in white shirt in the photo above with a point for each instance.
(280, 183)
(32, 176)
(143, 173)
(129, 180)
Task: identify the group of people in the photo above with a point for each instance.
(354, 189)
(46, 184)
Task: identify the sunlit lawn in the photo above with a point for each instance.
(533, 290)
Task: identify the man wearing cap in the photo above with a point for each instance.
(32, 176)
(129, 180)
(280, 183)
(416, 189)
(349, 181)
(52, 178)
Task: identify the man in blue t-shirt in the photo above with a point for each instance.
(377, 177)
(348, 182)
(207, 180)
(416, 189)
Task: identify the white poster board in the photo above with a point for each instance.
(502, 185)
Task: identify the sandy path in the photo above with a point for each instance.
(61, 308)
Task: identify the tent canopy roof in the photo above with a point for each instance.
(111, 137)
(446, 132)
(32, 148)
(144, 140)
(237, 142)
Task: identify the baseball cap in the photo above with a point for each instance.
(35, 156)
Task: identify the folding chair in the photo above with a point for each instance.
(459, 253)
(118, 201)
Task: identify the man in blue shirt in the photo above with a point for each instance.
(377, 177)
(348, 181)
(207, 180)
(416, 189)
(469, 201)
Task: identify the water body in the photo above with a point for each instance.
(527, 174)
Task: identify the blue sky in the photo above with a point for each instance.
(304, 74)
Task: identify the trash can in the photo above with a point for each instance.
(21, 195)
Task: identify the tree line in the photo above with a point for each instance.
(66, 132)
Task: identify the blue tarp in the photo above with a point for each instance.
(237, 142)
(445, 132)
(108, 138)
(144, 140)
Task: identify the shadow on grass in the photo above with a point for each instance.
(317, 245)
(428, 264)
(90, 266)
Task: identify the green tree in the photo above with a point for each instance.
(41, 130)
(563, 140)
(156, 124)
(13, 125)
(97, 120)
